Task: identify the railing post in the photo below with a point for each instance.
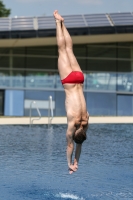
(50, 111)
(31, 121)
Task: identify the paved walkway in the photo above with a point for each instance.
(63, 120)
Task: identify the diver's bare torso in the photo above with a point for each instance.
(75, 105)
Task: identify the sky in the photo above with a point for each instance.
(66, 7)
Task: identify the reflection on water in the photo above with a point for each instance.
(33, 164)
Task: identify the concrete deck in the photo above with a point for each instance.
(63, 120)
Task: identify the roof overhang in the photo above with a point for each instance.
(80, 39)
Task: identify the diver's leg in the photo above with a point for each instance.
(69, 48)
(64, 66)
(77, 155)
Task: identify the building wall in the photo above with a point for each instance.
(30, 73)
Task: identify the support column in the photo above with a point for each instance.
(10, 66)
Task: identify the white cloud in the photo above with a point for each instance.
(91, 2)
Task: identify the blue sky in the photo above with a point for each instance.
(66, 7)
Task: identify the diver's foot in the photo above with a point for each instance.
(57, 16)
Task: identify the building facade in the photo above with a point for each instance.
(103, 45)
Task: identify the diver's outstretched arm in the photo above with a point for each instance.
(77, 154)
(70, 147)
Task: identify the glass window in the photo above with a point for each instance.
(58, 83)
(124, 44)
(4, 78)
(104, 51)
(101, 81)
(124, 51)
(1, 102)
(44, 50)
(19, 50)
(125, 81)
(19, 62)
(41, 57)
(41, 63)
(40, 79)
(19, 59)
(101, 65)
(4, 57)
(124, 75)
(124, 66)
(80, 52)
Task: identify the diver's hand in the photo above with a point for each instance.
(73, 168)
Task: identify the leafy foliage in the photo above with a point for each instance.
(4, 12)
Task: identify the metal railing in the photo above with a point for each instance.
(31, 120)
(50, 111)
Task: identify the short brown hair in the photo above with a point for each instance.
(79, 136)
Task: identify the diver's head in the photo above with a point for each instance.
(79, 136)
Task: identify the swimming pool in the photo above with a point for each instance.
(33, 164)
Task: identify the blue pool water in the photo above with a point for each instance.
(33, 164)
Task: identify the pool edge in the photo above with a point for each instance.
(63, 120)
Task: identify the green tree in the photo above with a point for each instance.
(4, 12)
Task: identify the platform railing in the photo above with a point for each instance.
(50, 111)
(31, 120)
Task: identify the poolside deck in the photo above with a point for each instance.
(63, 120)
